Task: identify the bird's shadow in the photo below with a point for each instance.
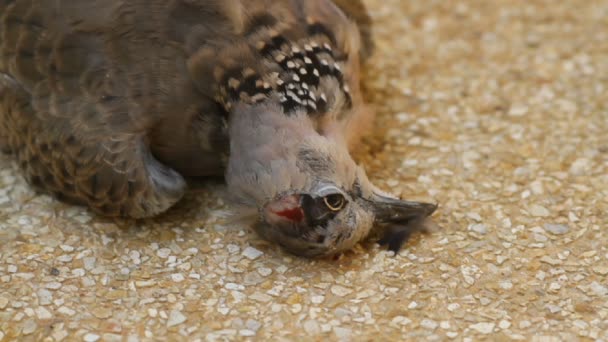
(191, 212)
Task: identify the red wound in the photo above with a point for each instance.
(293, 214)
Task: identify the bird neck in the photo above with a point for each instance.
(264, 148)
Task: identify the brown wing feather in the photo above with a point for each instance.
(77, 116)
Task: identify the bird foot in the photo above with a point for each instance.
(396, 235)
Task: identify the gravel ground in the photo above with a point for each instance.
(495, 109)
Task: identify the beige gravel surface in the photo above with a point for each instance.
(498, 110)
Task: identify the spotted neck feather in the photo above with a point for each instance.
(303, 75)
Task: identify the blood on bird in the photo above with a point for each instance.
(293, 214)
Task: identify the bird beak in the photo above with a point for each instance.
(392, 210)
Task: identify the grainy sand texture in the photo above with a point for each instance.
(497, 110)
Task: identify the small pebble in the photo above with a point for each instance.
(539, 211)
(252, 324)
(343, 333)
(453, 307)
(175, 318)
(599, 289)
(90, 337)
(163, 253)
(340, 291)
(479, 228)
(234, 286)
(89, 263)
(102, 312)
(43, 313)
(53, 285)
(66, 248)
(401, 320)
(111, 338)
(601, 270)
(474, 216)
(264, 271)
(551, 261)
(504, 324)
(66, 311)
(556, 229)
(29, 327)
(483, 327)
(252, 253)
(233, 249)
(555, 286)
(261, 297)
(429, 324)
(247, 332)
(3, 303)
(581, 324)
(518, 110)
(580, 167)
(506, 285)
(317, 299)
(540, 237)
(311, 327)
(525, 324)
(177, 277)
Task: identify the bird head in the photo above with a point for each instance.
(318, 202)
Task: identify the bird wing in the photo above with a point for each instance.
(78, 91)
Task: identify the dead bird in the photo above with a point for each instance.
(112, 104)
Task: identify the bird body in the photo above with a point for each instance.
(114, 103)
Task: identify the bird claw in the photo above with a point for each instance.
(395, 236)
(394, 239)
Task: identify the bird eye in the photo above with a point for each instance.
(334, 202)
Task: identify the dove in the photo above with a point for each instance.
(115, 104)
